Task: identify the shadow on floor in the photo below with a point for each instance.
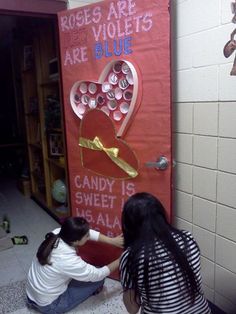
(215, 309)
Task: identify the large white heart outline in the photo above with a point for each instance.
(101, 79)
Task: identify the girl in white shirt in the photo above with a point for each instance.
(58, 279)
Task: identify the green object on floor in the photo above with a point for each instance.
(6, 224)
(19, 240)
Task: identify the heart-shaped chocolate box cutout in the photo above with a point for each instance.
(96, 123)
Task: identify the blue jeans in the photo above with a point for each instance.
(75, 294)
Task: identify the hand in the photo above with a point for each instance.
(118, 241)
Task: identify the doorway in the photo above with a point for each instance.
(14, 17)
(15, 31)
(30, 110)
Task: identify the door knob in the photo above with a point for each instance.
(161, 164)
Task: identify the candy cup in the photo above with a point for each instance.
(113, 78)
(92, 88)
(83, 88)
(118, 93)
(125, 68)
(128, 94)
(111, 94)
(124, 107)
(85, 99)
(117, 115)
(92, 103)
(106, 86)
(117, 67)
(77, 97)
(112, 104)
(123, 83)
(81, 108)
(129, 78)
(100, 99)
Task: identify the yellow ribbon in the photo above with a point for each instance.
(112, 153)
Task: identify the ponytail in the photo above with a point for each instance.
(73, 229)
(46, 247)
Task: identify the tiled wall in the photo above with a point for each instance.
(204, 119)
(79, 3)
(205, 140)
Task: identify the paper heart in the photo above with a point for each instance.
(98, 161)
(115, 93)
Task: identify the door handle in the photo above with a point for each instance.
(161, 164)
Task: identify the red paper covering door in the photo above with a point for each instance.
(115, 60)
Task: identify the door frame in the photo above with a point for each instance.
(37, 8)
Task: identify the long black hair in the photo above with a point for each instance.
(73, 229)
(144, 224)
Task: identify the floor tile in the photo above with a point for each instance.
(28, 218)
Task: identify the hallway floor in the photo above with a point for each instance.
(28, 218)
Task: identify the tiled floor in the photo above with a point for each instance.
(28, 218)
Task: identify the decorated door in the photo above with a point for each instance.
(115, 60)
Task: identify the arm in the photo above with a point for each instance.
(129, 301)
(75, 267)
(116, 241)
(113, 265)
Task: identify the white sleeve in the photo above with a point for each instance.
(56, 231)
(93, 235)
(78, 269)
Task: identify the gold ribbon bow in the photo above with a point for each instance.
(112, 153)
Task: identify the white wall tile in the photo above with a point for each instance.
(178, 2)
(226, 13)
(224, 304)
(183, 59)
(226, 187)
(182, 224)
(203, 79)
(205, 151)
(184, 148)
(183, 116)
(184, 91)
(208, 293)
(200, 84)
(208, 272)
(206, 242)
(227, 155)
(79, 3)
(204, 183)
(227, 82)
(224, 250)
(183, 22)
(227, 117)
(206, 118)
(225, 283)
(206, 48)
(226, 221)
(204, 214)
(197, 15)
(183, 205)
(183, 177)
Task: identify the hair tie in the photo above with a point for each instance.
(51, 234)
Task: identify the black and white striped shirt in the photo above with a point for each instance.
(168, 292)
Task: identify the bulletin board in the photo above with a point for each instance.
(115, 61)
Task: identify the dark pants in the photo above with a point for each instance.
(75, 294)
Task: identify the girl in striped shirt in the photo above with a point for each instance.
(160, 267)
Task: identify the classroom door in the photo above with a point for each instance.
(115, 61)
